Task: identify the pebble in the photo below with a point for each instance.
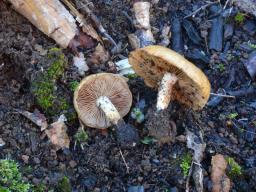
(146, 165)
(233, 139)
(249, 135)
(36, 160)
(72, 163)
(89, 182)
(25, 158)
(36, 181)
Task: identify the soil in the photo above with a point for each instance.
(101, 165)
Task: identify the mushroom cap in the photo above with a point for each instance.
(91, 88)
(152, 62)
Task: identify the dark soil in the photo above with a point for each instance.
(99, 165)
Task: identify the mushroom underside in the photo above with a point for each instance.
(152, 69)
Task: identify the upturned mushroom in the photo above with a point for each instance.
(102, 100)
(176, 79)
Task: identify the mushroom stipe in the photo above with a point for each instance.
(160, 65)
(176, 79)
(102, 100)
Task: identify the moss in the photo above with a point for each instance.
(185, 164)
(45, 87)
(10, 177)
(39, 188)
(221, 67)
(239, 18)
(64, 185)
(232, 115)
(132, 76)
(73, 85)
(138, 115)
(234, 169)
(81, 136)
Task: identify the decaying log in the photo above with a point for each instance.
(49, 16)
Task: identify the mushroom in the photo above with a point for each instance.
(176, 79)
(102, 100)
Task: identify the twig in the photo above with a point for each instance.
(127, 168)
(201, 8)
(189, 176)
(222, 95)
(84, 8)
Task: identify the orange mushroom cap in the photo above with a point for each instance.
(151, 63)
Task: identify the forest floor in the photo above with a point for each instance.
(228, 124)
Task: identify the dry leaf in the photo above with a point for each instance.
(57, 134)
(220, 181)
(99, 56)
(36, 117)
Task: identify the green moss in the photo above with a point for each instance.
(132, 76)
(81, 136)
(45, 88)
(221, 67)
(234, 169)
(73, 85)
(64, 185)
(239, 18)
(232, 115)
(39, 188)
(185, 164)
(252, 45)
(137, 114)
(10, 177)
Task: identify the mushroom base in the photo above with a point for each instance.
(165, 91)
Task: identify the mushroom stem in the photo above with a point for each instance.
(109, 109)
(165, 91)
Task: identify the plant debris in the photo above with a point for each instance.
(36, 117)
(220, 181)
(57, 133)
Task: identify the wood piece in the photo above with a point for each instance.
(216, 34)
(49, 16)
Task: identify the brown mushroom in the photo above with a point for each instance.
(102, 100)
(179, 79)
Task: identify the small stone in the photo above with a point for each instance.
(36, 160)
(233, 139)
(89, 182)
(72, 163)
(211, 124)
(36, 181)
(181, 138)
(25, 158)
(249, 135)
(146, 165)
